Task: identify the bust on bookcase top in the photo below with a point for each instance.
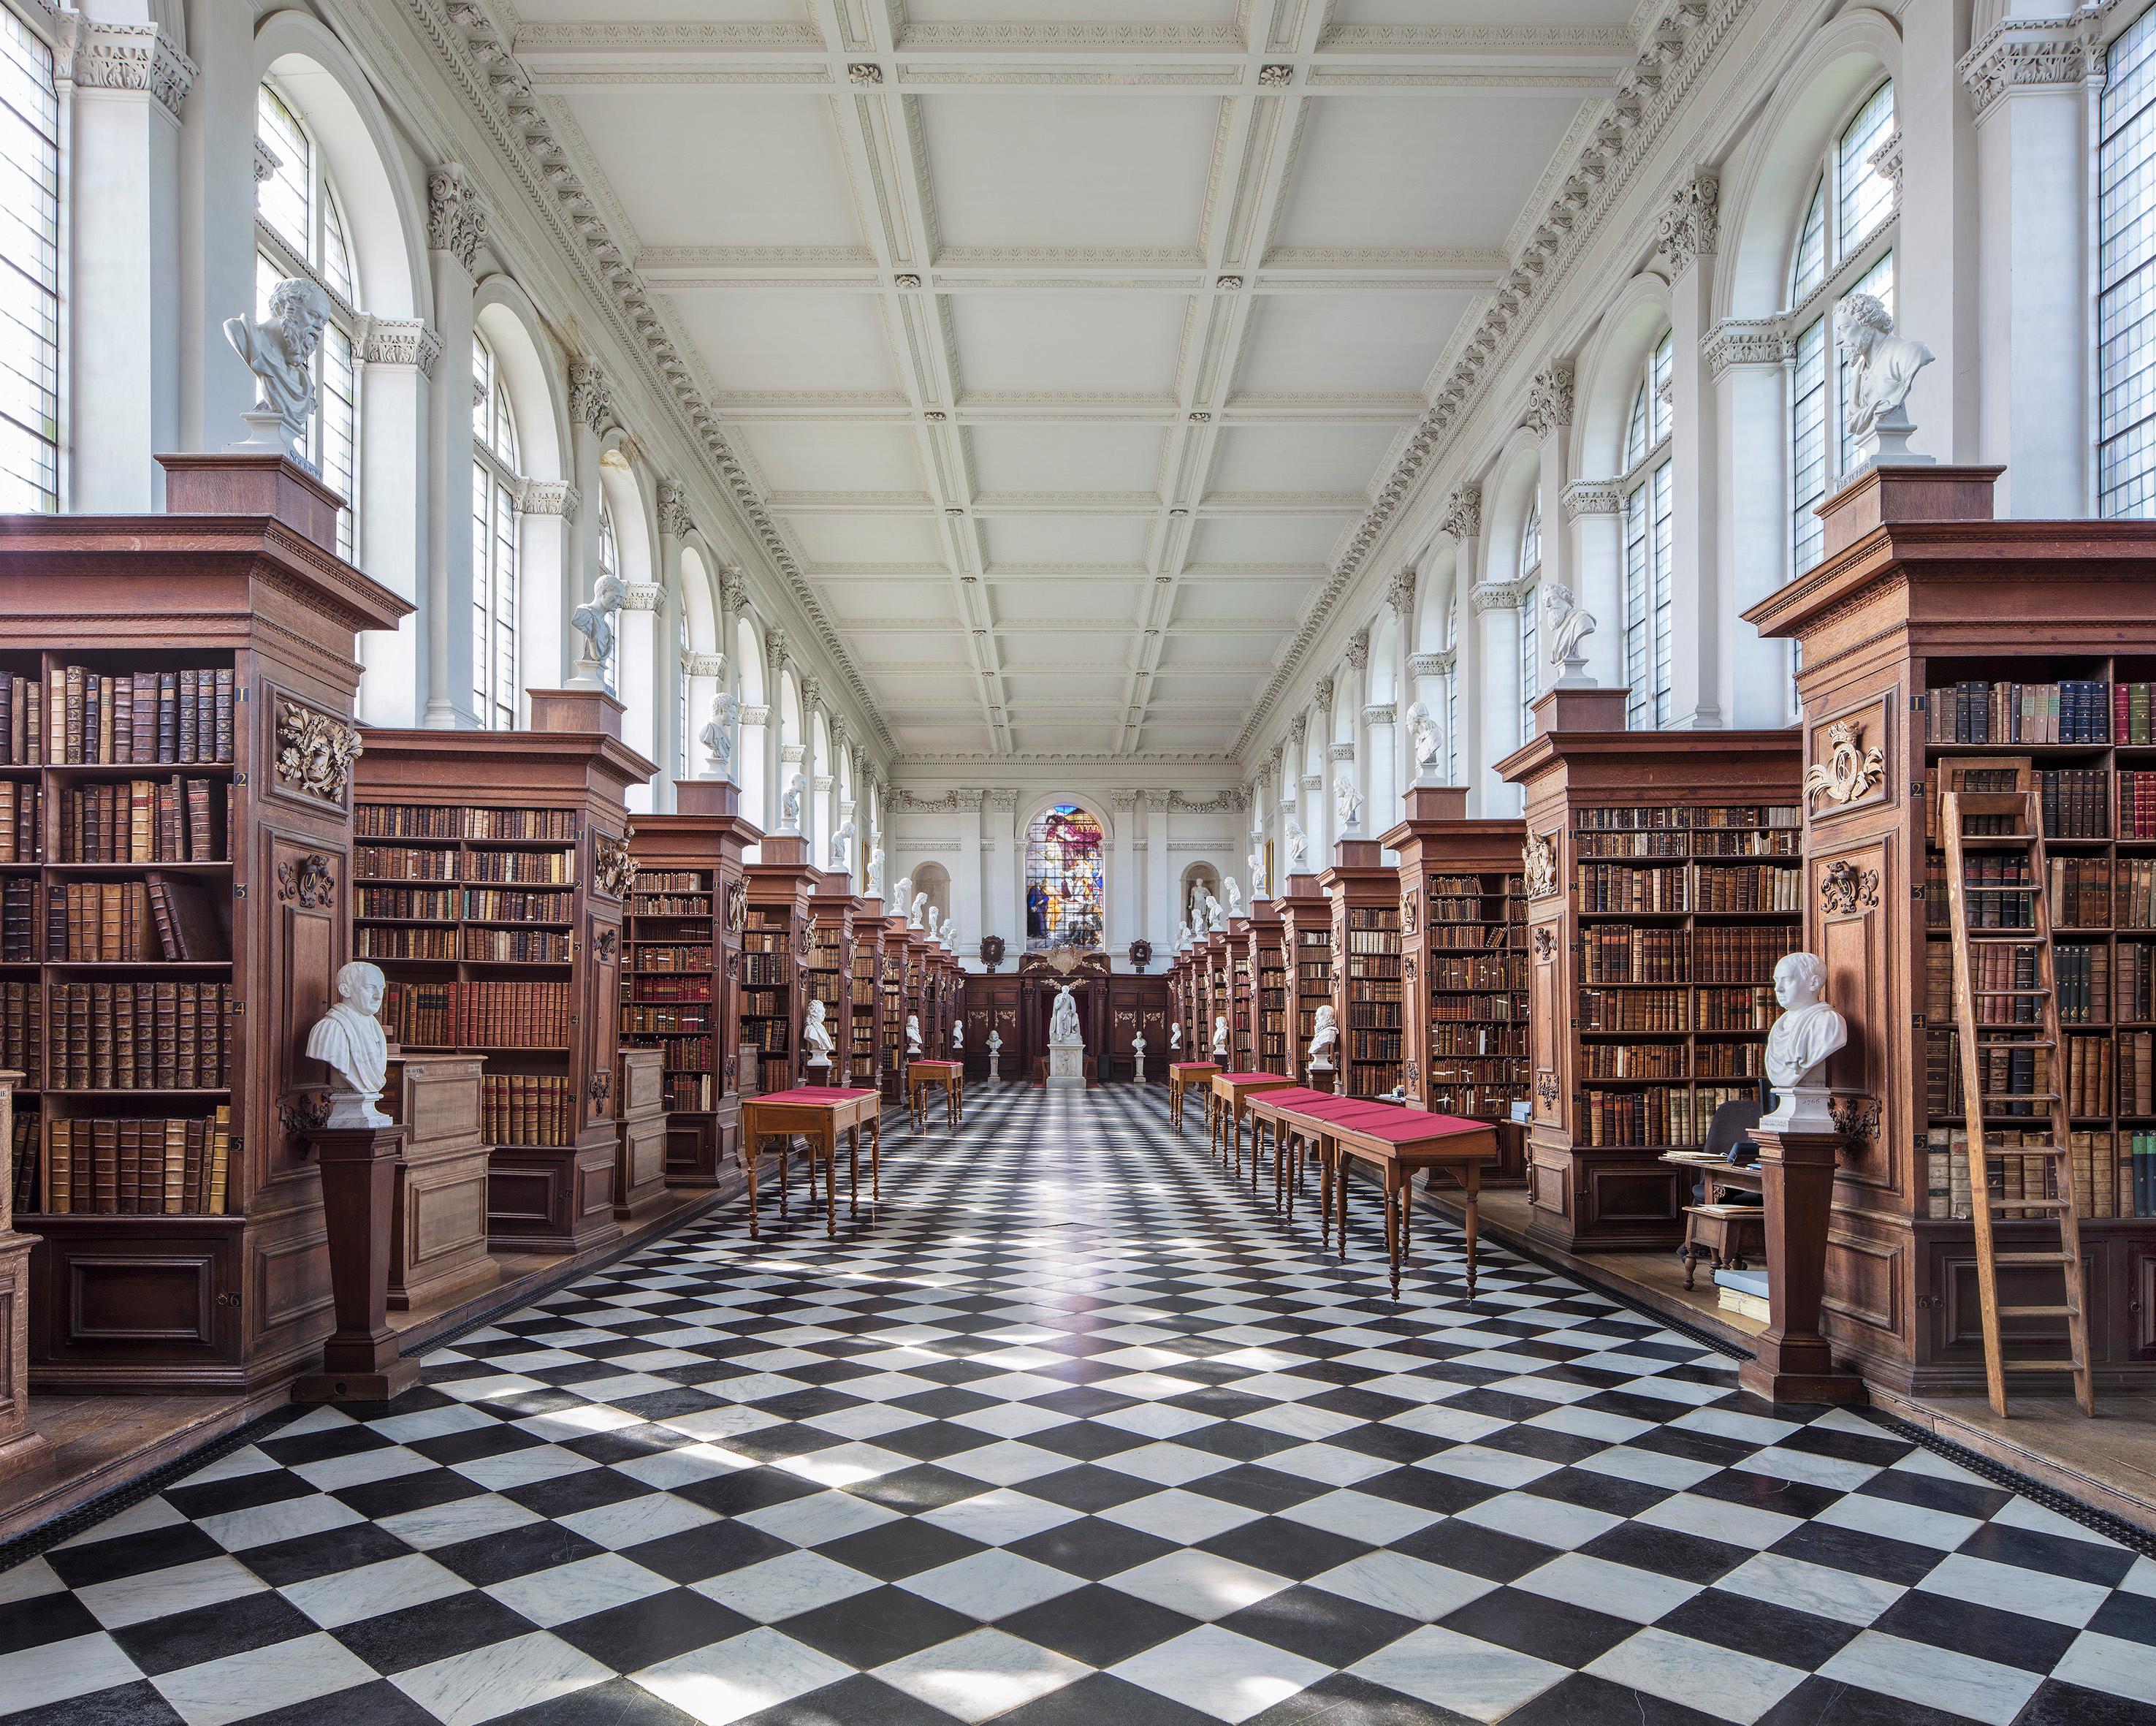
(348, 1039)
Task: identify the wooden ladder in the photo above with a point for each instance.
(2028, 901)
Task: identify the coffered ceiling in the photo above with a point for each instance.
(1067, 341)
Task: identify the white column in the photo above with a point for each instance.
(219, 166)
(1318, 814)
(775, 770)
(403, 362)
(1594, 530)
(758, 727)
(1463, 520)
(1937, 275)
(643, 682)
(1124, 919)
(1401, 597)
(704, 672)
(999, 823)
(456, 224)
(130, 82)
(553, 591)
(1696, 599)
(1748, 365)
(1549, 416)
(546, 534)
(1160, 884)
(1496, 630)
(1382, 766)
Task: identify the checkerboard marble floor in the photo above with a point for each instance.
(1072, 1431)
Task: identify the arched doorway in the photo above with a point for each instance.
(1066, 879)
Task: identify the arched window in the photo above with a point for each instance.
(2126, 330)
(1452, 689)
(299, 230)
(29, 273)
(1841, 250)
(1531, 566)
(1064, 887)
(610, 564)
(934, 880)
(1647, 535)
(496, 488)
(681, 701)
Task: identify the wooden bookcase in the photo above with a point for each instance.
(1272, 1052)
(774, 969)
(892, 986)
(830, 971)
(1242, 996)
(1367, 984)
(1919, 590)
(689, 952)
(1306, 951)
(866, 1056)
(1645, 1012)
(518, 841)
(1464, 946)
(189, 1253)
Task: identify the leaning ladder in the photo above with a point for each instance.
(1977, 1035)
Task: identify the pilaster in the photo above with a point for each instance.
(456, 225)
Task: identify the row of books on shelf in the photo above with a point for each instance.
(2102, 1074)
(651, 956)
(137, 1036)
(18, 920)
(2113, 1173)
(161, 919)
(770, 969)
(668, 904)
(656, 881)
(498, 947)
(1620, 953)
(402, 863)
(1649, 817)
(526, 1109)
(639, 1019)
(175, 820)
(1470, 937)
(131, 1166)
(25, 1151)
(1674, 1116)
(690, 1093)
(1470, 1041)
(1738, 887)
(1677, 1011)
(23, 1027)
(1983, 711)
(1448, 1093)
(22, 828)
(1673, 1061)
(404, 820)
(1683, 842)
(1490, 971)
(466, 1015)
(81, 717)
(2096, 893)
(414, 863)
(688, 1054)
(694, 986)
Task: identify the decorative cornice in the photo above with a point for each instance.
(1495, 596)
(1686, 230)
(1340, 752)
(456, 219)
(774, 650)
(1463, 512)
(549, 497)
(1401, 595)
(758, 715)
(1298, 730)
(1000, 799)
(1886, 162)
(1124, 802)
(733, 590)
(402, 341)
(967, 801)
(2026, 54)
(139, 57)
(704, 664)
(1549, 399)
(267, 161)
(674, 517)
(643, 596)
(1156, 803)
(1236, 799)
(1358, 648)
(812, 695)
(793, 754)
(1745, 341)
(1592, 497)
(1432, 665)
(1380, 713)
(591, 403)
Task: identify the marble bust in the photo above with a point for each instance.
(995, 1047)
(348, 1041)
(594, 620)
(1422, 732)
(1234, 896)
(1324, 1034)
(1808, 1033)
(943, 934)
(917, 912)
(718, 735)
(841, 842)
(1347, 803)
(1298, 844)
(902, 895)
(1220, 1037)
(1881, 368)
(789, 805)
(1566, 626)
(957, 1035)
(1175, 1038)
(279, 350)
(876, 872)
(1256, 860)
(1063, 1023)
(1216, 918)
(913, 1033)
(816, 1036)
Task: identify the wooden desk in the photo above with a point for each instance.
(948, 1075)
(818, 1114)
(1275, 1110)
(1230, 1101)
(1182, 1075)
(1727, 1233)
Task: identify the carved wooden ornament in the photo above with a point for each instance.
(315, 751)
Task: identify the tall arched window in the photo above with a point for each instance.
(1647, 507)
(496, 488)
(2126, 307)
(1452, 689)
(609, 564)
(29, 273)
(1531, 568)
(681, 700)
(1842, 248)
(299, 230)
(1064, 887)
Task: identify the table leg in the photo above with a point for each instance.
(1471, 1218)
(1393, 1225)
(853, 1171)
(875, 1157)
(1407, 1214)
(828, 1139)
(750, 1147)
(785, 1164)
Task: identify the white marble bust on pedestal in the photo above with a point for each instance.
(1175, 1038)
(348, 1039)
(816, 1038)
(913, 1035)
(1220, 1038)
(1137, 1056)
(1325, 1034)
(958, 1036)
(1806, 1035)
(279, 350)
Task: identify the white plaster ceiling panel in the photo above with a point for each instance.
(1081, 347)
(671, 11)
(1036, 13)
(755, 169)
(1115, 171)
(1270, 539)
(865, 539)
(1070, 736)
(1047, 687)
(1013, 458)
(792, 345)
(802, 457)
(1204, 603)
(1026, 649)
(863, 603)
(1250, 461)
(1434, 170)
(1081, 604)
(1370, 344)
(1060, 542)
(1612, 14)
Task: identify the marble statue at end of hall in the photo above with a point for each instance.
(789, 805)
(1348, 802)
(1137, 1056)
(916, 912)
(594, 620)
(1175, 1038)
(1566, 626)
(841, 842)
(1808, 1034)
(876, 872)
(816, 1036)
(280, 350)
(1234, 896)
(1063, 1032)
(1325, 1033)
(1216, 916)
(913, 1035)
(1298, 844)
(1422, 736)
(718, 734)
(1879, 369)
(1256, 860)
(348, 1039)
(1220, 1038)
(995, 1050)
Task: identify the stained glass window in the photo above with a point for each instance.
(1064, 888)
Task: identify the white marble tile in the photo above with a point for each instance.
(778, 1588)
(871, 1420)
(1721, 1520)
(1935, 1677)
(1467, 1675)
(1292, 1421)
(2019, 1512)
(1007, 1420)
(1780, 1463)
(1495, 1468)
(2141, 1580)
(346, 1596)
(678, 1467)
(333, 1474)
(142, 1519)
(1156, 1419)
(57, 1671)
(1441, 1421)
(155, 1594)
(1589, 1423)
(1649, 1468)
(1730, 1423)
(500, 1678)
(989, 1586)
(1187, 1517)
(523, 1468)
(1220, 1673)
(1329, 1463)
(982, 1675)
(459, 1519)
(28, 1580)
(999, 1517)
(819, 1516)
(728, 1681)
(1362, 1517)
(1845, 1596)
(286, 1519)
(630, 1522)
(846, 1465)
(1170, 1465)
(1398, 1582)
(560, 1426)
(2034, 1594)
(1198, 1584)
(1600, 1586)
(283, 1674)
(245, 1461)
(577, 1590)
(2101, 1663)
(433, 1423)
(1550, 1520)
(489, 1389)
(1896, 1521)
(1717, 1680)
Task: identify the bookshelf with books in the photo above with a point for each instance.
(1367, 985)
(1464, 944)
(832, 908)
(1306, 953)
(775, 960)
(175, 867)
(1945, 650)
(891, 974)
(1662, 883)
(1271, 1050)
(507, 852)
(865, 1054)
(1242, 997)
(681, 977)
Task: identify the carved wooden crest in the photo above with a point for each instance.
(315, 751)
(1849, 771)
(736, 907)
(613, 868)
(306, 881)
(1539, 866)
(1545, 942)
(1410, 908)
(1844, 889)
(606, 944)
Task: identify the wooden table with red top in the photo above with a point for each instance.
(818, 1114)
(1230, 1099)
(949, 1077)
(1182, 1077)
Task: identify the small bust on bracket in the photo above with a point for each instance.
(348, 1039)
(1325, 1032)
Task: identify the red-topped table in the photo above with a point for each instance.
(1182, 1075)
(948, 1075)
(817, 1114)
(1231, 1093)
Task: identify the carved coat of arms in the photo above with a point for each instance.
(1849, 771)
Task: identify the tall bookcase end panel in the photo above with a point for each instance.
(176, 837)
(1307, 971)
(1944, 650)
(1367, 968)
(774, 965)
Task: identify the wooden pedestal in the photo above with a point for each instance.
(553, 1200)
(438, 1222)
(1792, 1362)
(360, 1362)
(639, 1176)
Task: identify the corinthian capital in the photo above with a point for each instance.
(1463, 513)
(456, 219)
(1686, 231)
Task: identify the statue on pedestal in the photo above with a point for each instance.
(876, 872)
(1137, 1056)
(1234, 896)
(279, 350)
(1566, 626)
(1808, 1032)
(348, 1039)
(913, 1035)
(1298, 845)
(1175, 1038)
(1256, 860)
(958, 1036)
(1325, 1033)
(1422, 734)
(1220, 1038)
(1348, 802)
(917, 912)
(841, 842)
(1216, 919)
(594, 620)
(816, 1037)
(718, 735)
(1879, 369)
(995, 1052)
(1063, 1030)
(789, 805)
